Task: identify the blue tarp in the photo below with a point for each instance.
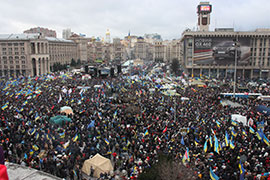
(263, 109)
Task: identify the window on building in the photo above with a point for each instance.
(9, 44)
(23, 62)
(22, 57)
(23, 66)
(16, 44)
(16, 53)
(17, 66)
(17, 62)
(4, 49)
(21, 44)
(11, 62)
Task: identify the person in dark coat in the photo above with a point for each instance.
(2, 158)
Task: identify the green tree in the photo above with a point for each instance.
(175, 66)
(73, 63)
(78, 62)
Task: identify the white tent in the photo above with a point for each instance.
(99, 163)
(239, 118)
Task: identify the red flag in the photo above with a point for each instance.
(165, 129)
(52, 107)
(36, 78)
(3, 172)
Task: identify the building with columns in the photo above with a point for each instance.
(33, 54)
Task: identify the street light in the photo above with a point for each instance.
(236, 44)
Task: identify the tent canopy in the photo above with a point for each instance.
(66, 109)
(99, 164)
(59, 119)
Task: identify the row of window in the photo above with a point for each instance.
(11, 62)
(10, 44)
(12, 67)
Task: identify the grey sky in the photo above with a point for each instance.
(93, 17)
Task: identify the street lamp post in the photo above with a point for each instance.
(235, 65)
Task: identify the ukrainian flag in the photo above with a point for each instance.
(218, 124)
(25, 102)
(232, 146)
(31, 152)
(244, 132)
(234, 133)
(146, 133)
(210, 140)
(242, 171)
(36, 136)
(216, 147)
(107, 141)
(266, 140)
(258, 135)
(31, 111)
(37, 117)
(251, 130)
(62, 135)
(213, 175)
(32, 131)
(35, 147)
(227, 139)
(234, 123)
(4, 107)
(205, 146)
(75, 138)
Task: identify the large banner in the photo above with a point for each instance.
(218, 50)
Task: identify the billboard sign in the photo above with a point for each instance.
(205, 8)
(220, 50)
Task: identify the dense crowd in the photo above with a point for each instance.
(130, 121)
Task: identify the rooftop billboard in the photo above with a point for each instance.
(220, 50)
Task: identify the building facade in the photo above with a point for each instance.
(44, 31)
(61, 51)
(33, 54)
(215, 53)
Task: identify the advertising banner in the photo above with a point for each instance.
(221, 50)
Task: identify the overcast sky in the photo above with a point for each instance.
(93, 17)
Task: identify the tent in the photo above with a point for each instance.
(66, 109)
(99, 163)
(239, 118)
(59, 119)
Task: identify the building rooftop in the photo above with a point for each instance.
(23, 36)
(26, 36)
(58, 39)
(17, 172)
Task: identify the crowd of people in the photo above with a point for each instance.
(130, 121)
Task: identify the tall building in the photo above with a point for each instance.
(223, 52)
(66, 34)
(204, 9)
(159, 52)
(33, 54)
(23, 54)
(44, 31)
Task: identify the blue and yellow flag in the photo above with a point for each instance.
(107, 141)
(35, 147)
(242, 171)
(210, 140)
(234, 123)
(266, 140)
(251, 130)
(234, 133)
(227, 139)
(218, 124)
(216, 147)
(75, 138)
(232, 146)
(146, 133)
(4, 107)
(62, 135)
(244, 132)
(31, 152)
(213, 175)
(205, 146)
(32, 131)
(36, 135)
